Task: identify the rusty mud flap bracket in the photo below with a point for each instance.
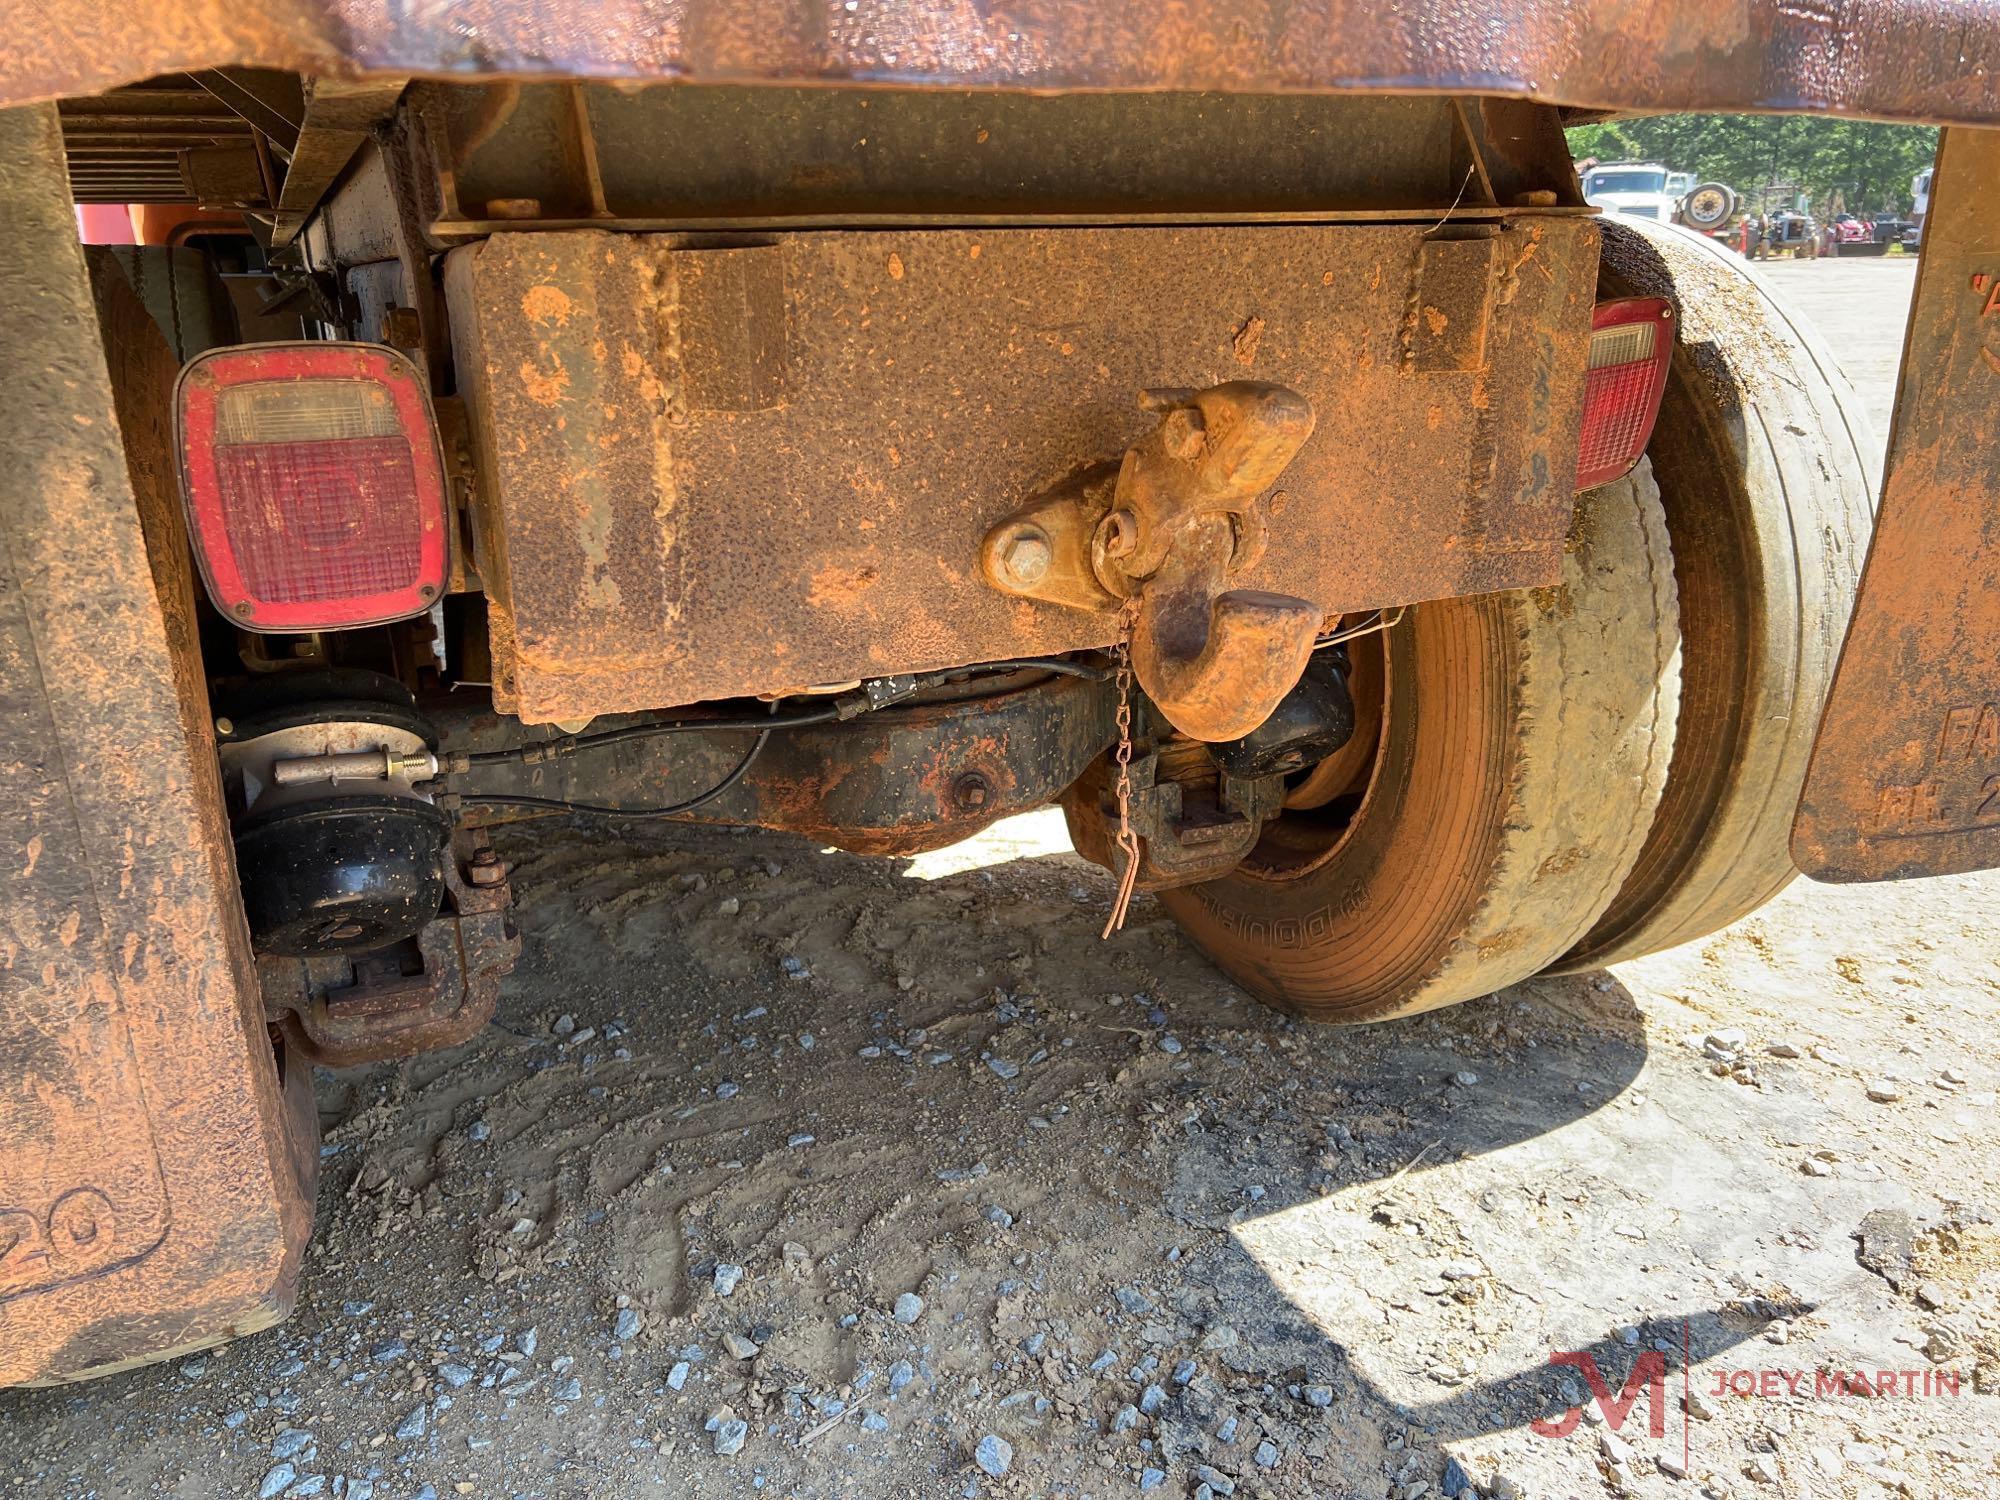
(1905, 776)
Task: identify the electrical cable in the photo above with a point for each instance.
(569, 745)
(1374, 624)
(1062, 666)
(602, 810)
(572, 744)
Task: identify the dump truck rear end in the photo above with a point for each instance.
(874, 421)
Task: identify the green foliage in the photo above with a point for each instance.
(1861, 166)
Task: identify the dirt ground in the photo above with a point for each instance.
(811, 1175)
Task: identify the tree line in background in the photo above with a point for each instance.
(1851, 165)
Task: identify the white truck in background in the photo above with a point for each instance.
(1642, 189)
(1652, 190)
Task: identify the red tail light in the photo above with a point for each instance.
(1631, 344)
(314, 485)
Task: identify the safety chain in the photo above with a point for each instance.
(1128, 841)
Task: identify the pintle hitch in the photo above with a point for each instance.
(1164, 534)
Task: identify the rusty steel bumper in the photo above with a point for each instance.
(707, 472)
(155, 1167)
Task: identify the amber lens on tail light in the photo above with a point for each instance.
(1631, 345)
(314, 485)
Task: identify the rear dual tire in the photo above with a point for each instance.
(1568, 778)
(1522, 747)
(1769, 473)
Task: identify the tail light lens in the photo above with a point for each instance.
(1631, 345)
(314, 484)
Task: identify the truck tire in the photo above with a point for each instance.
(1522, 746)
(1708, 206)
(1768, 472)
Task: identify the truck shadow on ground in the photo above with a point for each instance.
(1408, 1218)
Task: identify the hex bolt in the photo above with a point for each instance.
(1026, 556)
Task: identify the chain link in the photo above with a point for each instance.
(1128, 841)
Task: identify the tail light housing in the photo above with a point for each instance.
(1631, 345)
(314, 484)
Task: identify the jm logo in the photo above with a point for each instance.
(1648, 1377)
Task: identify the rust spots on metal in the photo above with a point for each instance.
(544, 387)
(578, 530)
(835, 443)
(836, 586)
(545, 304)
(1248, 337)
(1905, 775)
(1911, 59)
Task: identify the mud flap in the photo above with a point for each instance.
(155, 1165)
(1905, 776)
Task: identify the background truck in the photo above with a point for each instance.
(1642, 189)
(873, 422)
(1649, 190)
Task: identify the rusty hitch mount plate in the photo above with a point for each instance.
(639, 403)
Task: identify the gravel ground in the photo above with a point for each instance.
(820, 1176)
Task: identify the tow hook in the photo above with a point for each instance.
(1163, 535)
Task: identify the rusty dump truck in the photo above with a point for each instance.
(873, 418)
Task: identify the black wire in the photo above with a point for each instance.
(597, 809)
(1062, 666)
(550, 749)
(763, 727)
(574, 743)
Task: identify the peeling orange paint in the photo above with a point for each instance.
(544, 390)
(546, 304)
(841, 587)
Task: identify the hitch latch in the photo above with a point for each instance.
(1166, 531)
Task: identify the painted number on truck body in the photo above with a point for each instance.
(74, 1235)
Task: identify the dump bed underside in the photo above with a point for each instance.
(1918, 60)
